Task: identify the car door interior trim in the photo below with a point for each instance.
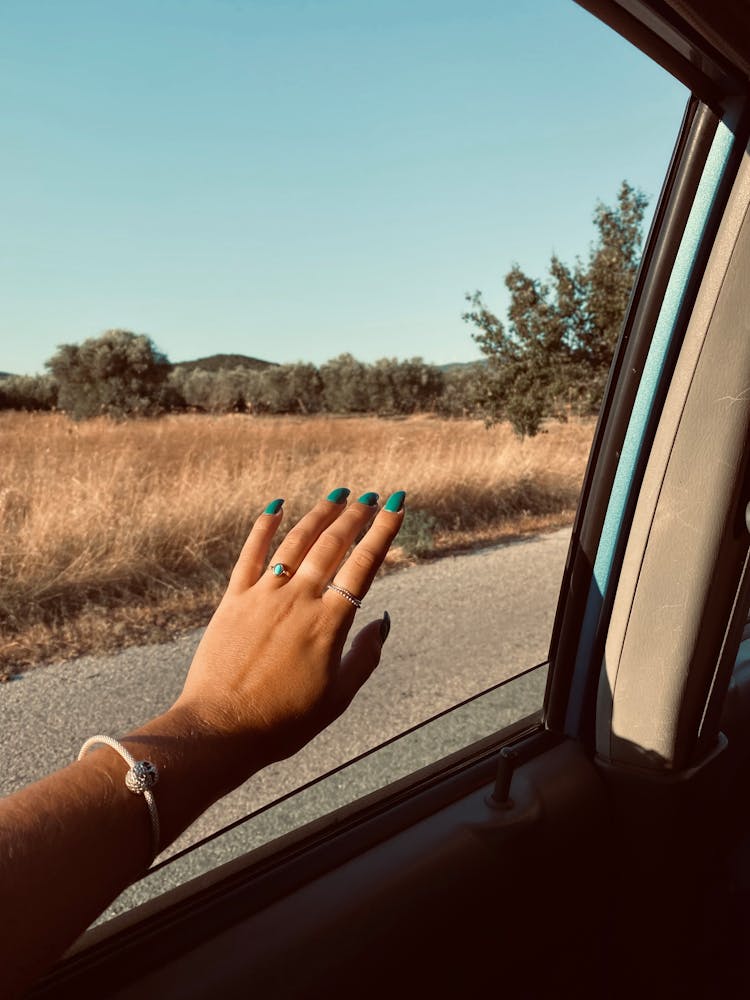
(698, 466)
(626, 480)
(693, 144)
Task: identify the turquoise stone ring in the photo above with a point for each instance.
(279, 569)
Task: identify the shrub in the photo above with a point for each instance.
(417, 534)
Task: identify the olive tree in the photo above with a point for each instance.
(554, 352)
(118, 374)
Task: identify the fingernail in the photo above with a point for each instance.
(385, 627)
(274, 507)
(339, 495)
(395, 501)
(368, 499)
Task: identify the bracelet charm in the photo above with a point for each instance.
(141, 777)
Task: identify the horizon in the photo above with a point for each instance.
(270, 363)
(309, 178)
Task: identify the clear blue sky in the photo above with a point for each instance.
(291, 179)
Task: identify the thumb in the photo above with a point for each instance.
(361, 660)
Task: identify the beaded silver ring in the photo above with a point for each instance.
(346, 594)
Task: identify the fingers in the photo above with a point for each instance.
(314, 547)
(358, 572)
(252, 558)
(325, 555)
(306, 532)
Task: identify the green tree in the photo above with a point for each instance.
(416, 385)
(292, 388)
(554, 353)
(345, 385)
(118, 374)
(221, 390)
(28, 392)
(463, 392)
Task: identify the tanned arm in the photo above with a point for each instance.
(268, 675)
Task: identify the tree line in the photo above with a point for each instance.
(548, 360)
(121, 374)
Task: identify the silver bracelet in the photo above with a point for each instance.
(140, 779)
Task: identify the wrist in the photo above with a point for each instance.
(196, 765)
(240, 747)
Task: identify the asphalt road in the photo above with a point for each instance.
(460, 625)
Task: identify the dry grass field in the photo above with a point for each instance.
(118, 533)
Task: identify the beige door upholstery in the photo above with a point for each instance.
(671, 604)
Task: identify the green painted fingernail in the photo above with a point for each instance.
(339, 495)
(385, 627)
(395, 501)
(274, 507)
(368, 499)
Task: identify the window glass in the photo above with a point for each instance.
(272, 817)
(383, 246)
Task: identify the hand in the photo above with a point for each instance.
(268, 674)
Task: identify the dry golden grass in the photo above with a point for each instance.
(119, 533)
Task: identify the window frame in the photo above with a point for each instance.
(715, 82)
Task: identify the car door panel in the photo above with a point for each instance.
(425, 906)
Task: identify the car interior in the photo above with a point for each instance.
(601, 846)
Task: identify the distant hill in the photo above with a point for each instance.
(6, 375)
(221, 362)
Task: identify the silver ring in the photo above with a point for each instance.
(279, 569)
(346, 594)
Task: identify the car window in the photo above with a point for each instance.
(287, 800)
(309, 246)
